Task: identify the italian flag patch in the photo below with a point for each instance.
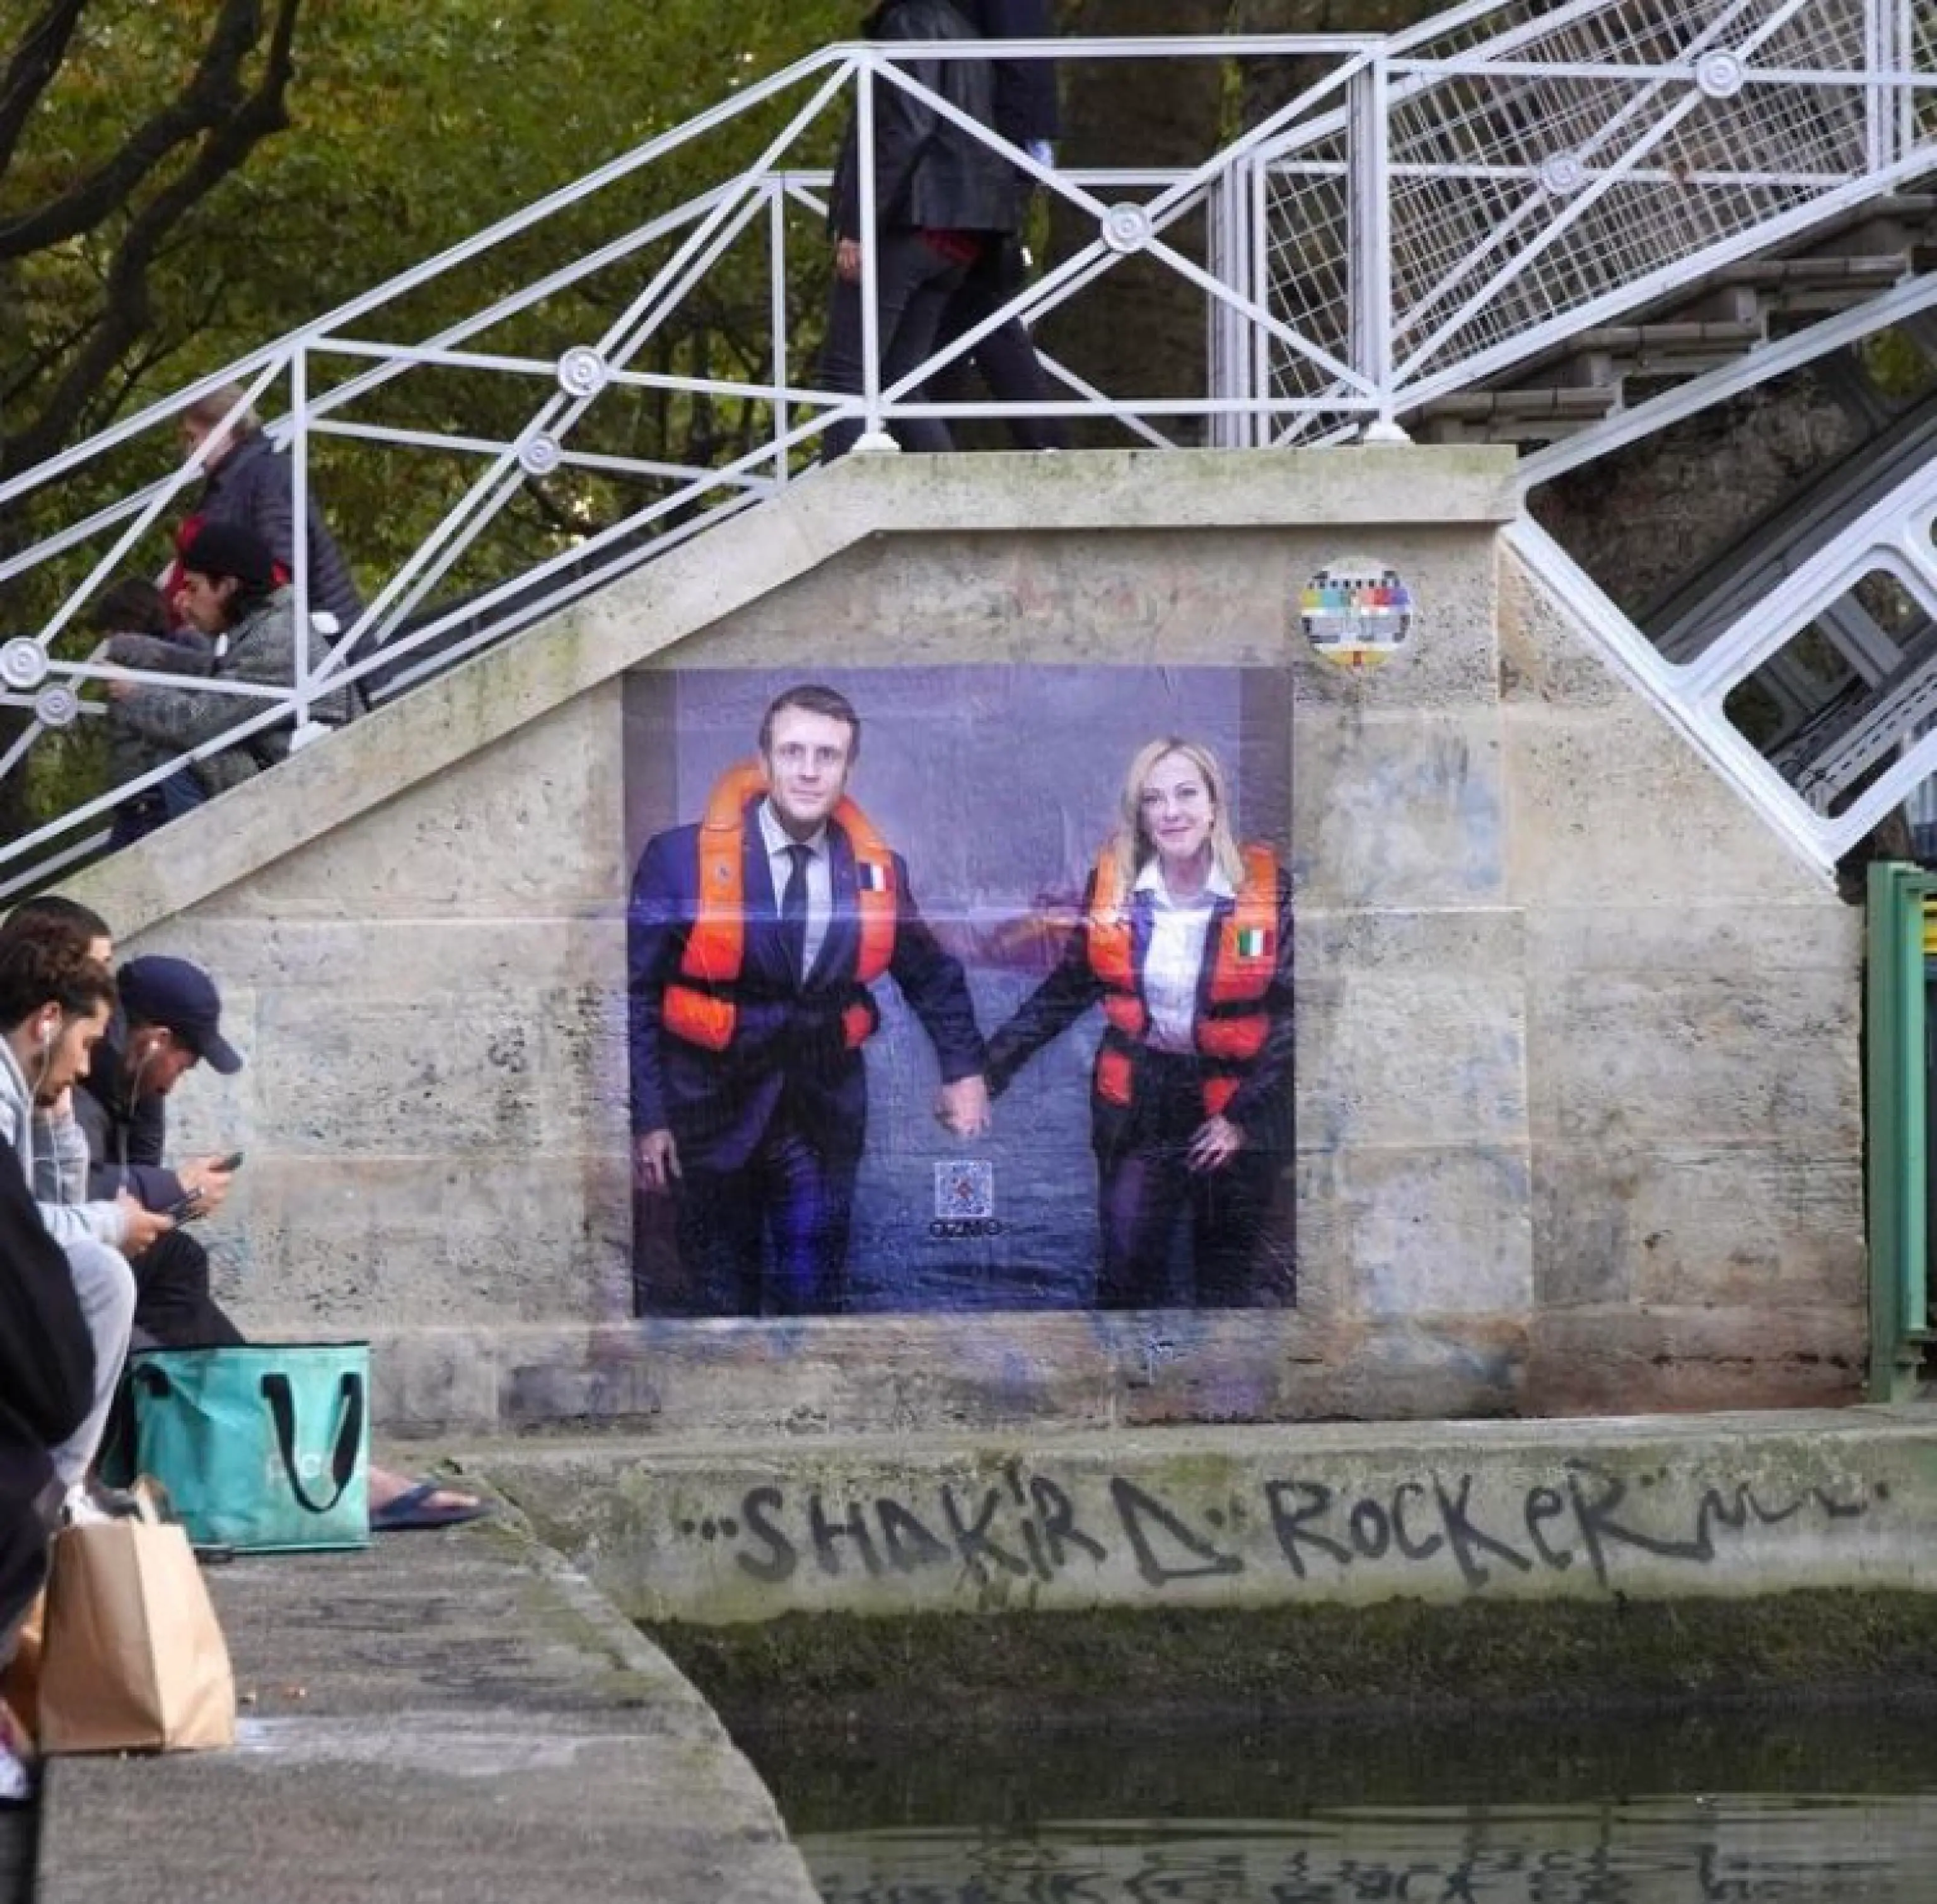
(1251, 941)
(872, 876)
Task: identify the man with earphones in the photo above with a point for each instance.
(170, 1020)
(54, 1004)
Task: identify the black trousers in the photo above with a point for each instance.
(770, 1239)
(27, 1521)
(173, 1308)
(1146, 1190)
(915, 283)
(1006, 357)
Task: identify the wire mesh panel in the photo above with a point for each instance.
(1547, 165)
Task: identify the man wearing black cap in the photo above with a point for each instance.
(170, 1020)
(229, 591)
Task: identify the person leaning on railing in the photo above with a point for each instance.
(229, 591)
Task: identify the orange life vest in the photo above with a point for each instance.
(698, 1006)
(1231, 1028)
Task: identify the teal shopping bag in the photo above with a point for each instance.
(262, 1446)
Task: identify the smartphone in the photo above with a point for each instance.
(233, 1161)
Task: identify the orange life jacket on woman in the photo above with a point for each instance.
(698, 1006)
(1231, 1026)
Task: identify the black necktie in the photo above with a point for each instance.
(793, 909)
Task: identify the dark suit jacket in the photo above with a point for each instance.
(788, 1047)
(1262, 1107)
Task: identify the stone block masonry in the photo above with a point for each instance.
(1578, 1113)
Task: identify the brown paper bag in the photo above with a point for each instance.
(134, 1659)
(20, 1677)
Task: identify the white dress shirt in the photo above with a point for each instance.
(1174, 960)
(820, 877)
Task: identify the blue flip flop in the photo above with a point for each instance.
(414, 1507)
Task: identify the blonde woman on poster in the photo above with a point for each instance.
(1185, 940)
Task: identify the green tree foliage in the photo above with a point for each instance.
(375, 136)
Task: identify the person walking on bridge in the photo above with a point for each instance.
(941, 195)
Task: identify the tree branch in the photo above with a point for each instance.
(210, 98)
(127, 313)
(36, 59)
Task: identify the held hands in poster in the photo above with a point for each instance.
(962, 1109)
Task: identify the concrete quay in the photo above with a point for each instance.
(448, 1718)
(472, 1715)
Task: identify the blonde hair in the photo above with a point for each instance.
(1132, 848)
(212, 406)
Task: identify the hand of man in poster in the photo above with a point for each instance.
(1218, 1142)
(962, 1108)
(655, 1161)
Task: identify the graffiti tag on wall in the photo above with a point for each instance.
(1026, 1527)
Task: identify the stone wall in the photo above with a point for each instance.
(1578, 1120)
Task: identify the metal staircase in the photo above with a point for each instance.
(1566, 224)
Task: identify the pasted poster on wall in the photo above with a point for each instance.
(960, 988)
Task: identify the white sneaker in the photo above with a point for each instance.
(16, 1779)
(80, 1509)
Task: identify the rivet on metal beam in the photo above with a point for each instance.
(539, 454)
(57, 705)
(1720, 75)
(582, 371)
(23, 664)
(1126, 228)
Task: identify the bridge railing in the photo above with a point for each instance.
(627, 364)
(616, 369)
(1545, 167)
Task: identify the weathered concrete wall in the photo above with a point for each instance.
(1577, 1117)
(1241, 1517)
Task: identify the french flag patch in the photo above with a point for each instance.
(1251, 941)
(870, 875)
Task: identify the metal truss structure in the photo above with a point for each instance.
(1485, 226)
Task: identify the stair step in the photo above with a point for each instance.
(1579, 404)
(1671, 338)
(1873, 270)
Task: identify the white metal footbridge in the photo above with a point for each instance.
(1567, 224)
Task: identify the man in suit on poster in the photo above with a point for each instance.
(753, 938)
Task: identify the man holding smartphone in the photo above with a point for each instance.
(170, 1020)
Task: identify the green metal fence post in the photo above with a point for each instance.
(1898, 1093)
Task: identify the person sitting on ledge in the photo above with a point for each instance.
(229, 592)
(47, 1392)
(169, 1021)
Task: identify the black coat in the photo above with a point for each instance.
(47, 1386)
(46, 1356)
(1026, 108)
(254, 487)
(1262, 1107)
(929, 174)
(127, 1136)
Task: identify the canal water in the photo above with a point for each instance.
(1751, 1807)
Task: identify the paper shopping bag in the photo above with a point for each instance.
(133, 1659)
(20, 1678)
